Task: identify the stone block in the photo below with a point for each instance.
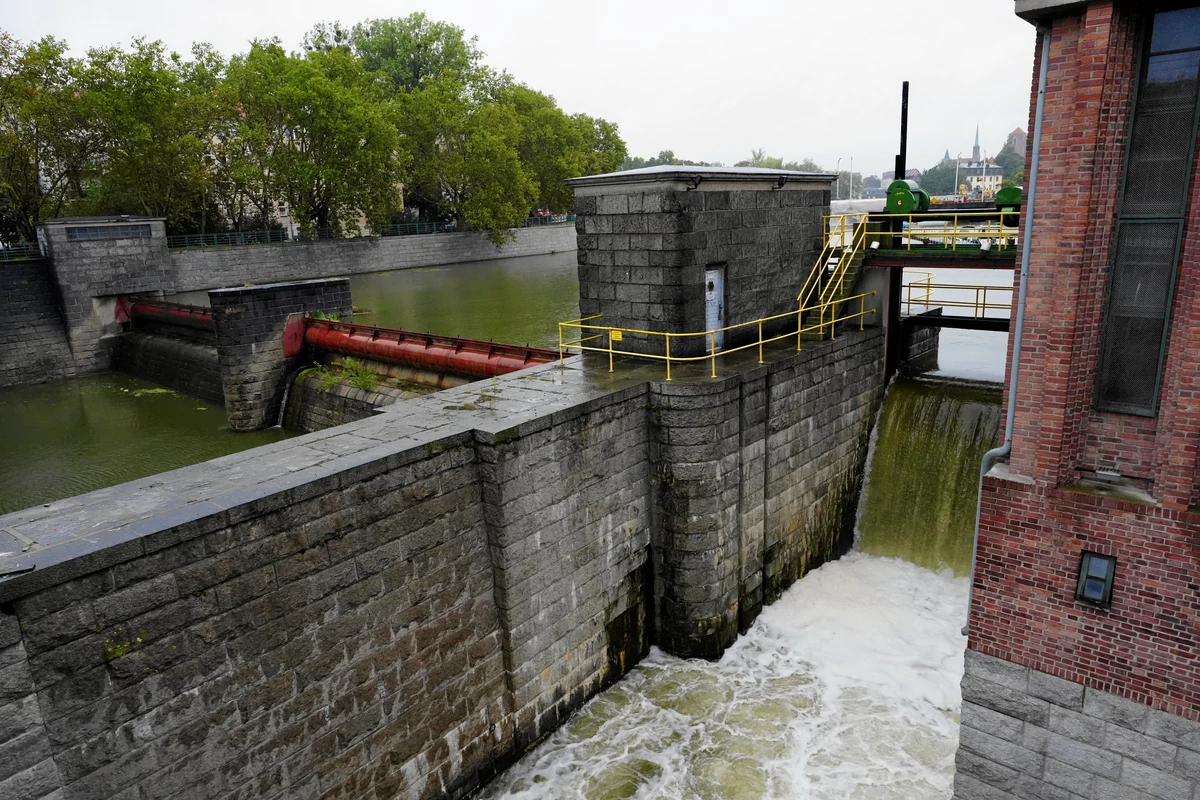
(1155, 782)
(1058, 691)
(1084, 756)
(1011, 702)
(1110, 708)
(1139, 747)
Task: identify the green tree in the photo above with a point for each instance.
(1011, 161)
(47, 142)
(939, 179)
(410, 51)
(156, 114)
(340, 158)
(465, 164)
(665, 158)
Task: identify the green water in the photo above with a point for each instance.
(62, 439)
(513, 300)
(923, 481)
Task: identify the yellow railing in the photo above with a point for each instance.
(950, 229)
(611, 339)
(921, 293)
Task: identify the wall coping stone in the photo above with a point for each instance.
(82, 534)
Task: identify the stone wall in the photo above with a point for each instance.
(210, 268)
(313, 407)
(178, 364)
(756, 478)
(91, 272)
(1027, 733)
(404, 604)
(250, 322)
(644, 246)
(33, 340)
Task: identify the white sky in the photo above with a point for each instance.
(708, 80)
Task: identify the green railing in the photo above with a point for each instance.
(551, 219)
(229, 239)
(20, 251)
(413, 228)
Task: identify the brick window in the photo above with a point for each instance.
(1149, 228)
(90, 232)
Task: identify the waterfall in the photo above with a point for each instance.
(918, 500)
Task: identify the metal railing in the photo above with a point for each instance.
(550, 219)
(20, 251)
(185, 241)
(610, 336)
(921, 293)
(950, 231)
(414, 228)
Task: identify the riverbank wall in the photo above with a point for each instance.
(60, 310)
(404, 604)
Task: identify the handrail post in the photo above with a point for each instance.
(799, 327)
(560, 347)
(862, 312)
(760, 358)
(610, 350)
(712, 338)
(668, 356)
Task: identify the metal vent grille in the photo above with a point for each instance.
(1160, 149)
(1143, 272)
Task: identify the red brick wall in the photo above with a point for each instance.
(1024, 607)
(1034, 528)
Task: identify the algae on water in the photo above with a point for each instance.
(923, 481)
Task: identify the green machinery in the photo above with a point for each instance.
(1008, 200)
(906, 197)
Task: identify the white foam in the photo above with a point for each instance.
(847, 687)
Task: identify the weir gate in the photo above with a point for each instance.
(402, 605)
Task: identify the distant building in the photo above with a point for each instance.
(981, 177)
(910, 174)
(1019, 140)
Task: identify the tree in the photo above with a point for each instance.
(665, 158)
(939, 179)
(340, 155)
(463, 151)
(410, 51)
(156, 115)
(1011, 161)
(47, 144)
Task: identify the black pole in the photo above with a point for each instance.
(894, 338)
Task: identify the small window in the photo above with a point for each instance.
(1095, 579)
(94, 232)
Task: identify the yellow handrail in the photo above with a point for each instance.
(956, 225)
(590, 332)
(979, 306)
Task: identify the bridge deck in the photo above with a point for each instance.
(941, 258)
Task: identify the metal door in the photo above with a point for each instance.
(714, 306)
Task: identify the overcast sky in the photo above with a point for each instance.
(708, 80)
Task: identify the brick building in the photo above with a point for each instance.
(1082, 678)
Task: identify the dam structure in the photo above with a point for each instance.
(402, 605)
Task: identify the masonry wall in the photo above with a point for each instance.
(756, 481)
(33, 340)
(1028, 734)
(642, 256)
(250, 324)
(210, 268)
(403, 605)
(178, 364)
(311, 406)
(89, 275)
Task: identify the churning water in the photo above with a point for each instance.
(846, 687)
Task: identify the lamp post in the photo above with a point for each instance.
(983, 181)
(851, 177)
(839, 172)
(957, 161)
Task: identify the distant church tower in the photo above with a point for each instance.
(975, 150)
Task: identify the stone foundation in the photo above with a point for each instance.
(1028, 734)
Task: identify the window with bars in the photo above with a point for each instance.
(89, 232)
(1162, 144)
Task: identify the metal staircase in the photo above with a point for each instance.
(832, 278)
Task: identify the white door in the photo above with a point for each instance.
(714, 306)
